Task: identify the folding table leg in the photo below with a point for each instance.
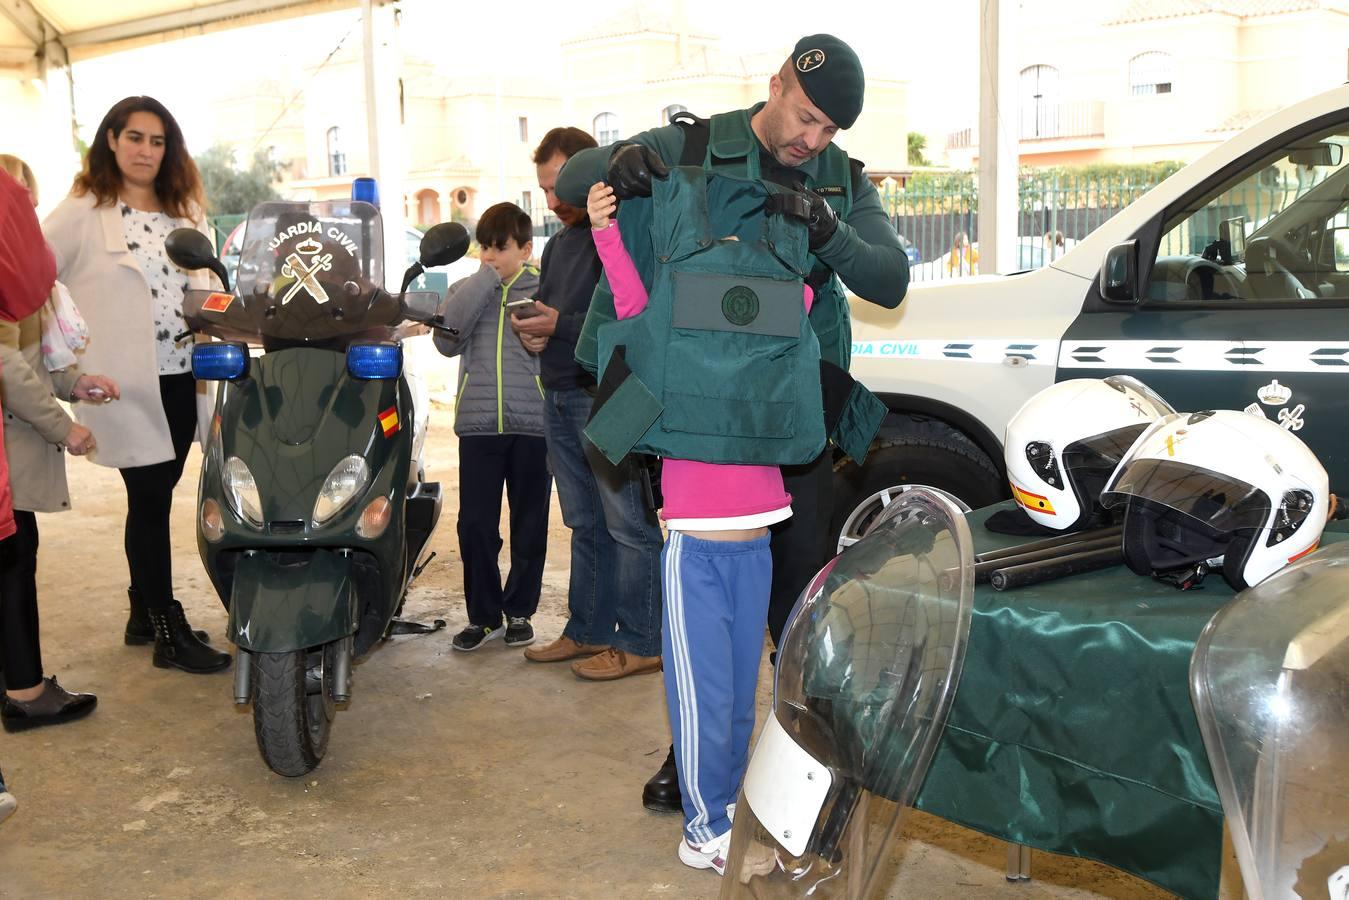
(1018, 862)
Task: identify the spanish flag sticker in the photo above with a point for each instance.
(217, 303)
(388, 420)
(1033, 502)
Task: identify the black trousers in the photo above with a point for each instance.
(20, 647)
(801, 545)
(486, 464)
(149, 497)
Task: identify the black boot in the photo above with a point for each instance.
(661, 793)
(177, 647)
(139, 631)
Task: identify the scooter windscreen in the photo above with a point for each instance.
(309, 273)
(865, 676)
(1270, 681)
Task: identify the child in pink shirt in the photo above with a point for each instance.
(716, 575)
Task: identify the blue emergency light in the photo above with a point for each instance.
(219, 361)
(366, 190)
(370, 360)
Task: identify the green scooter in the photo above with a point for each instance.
(312, 513)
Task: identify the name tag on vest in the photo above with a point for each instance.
(829, 190)
(709, 302)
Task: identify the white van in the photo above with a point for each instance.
(1225, 287)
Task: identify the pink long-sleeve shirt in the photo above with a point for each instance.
(698, 496)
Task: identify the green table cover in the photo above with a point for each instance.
(1072, 729)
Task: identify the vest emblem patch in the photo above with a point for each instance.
(740, 305)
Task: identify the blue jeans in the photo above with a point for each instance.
(614, 594)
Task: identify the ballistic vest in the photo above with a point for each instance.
(732, 149)
(726, 144)
(723, 365)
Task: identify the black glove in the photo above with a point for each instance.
(823, 223)
(631, 168)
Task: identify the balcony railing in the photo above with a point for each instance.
(1053, 121)
(1046, 122)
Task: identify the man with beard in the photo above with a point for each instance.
(788, 140)
(613, 598)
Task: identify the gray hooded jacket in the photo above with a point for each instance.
(499, 389)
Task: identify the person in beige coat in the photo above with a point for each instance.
(35, 433)
(138, 184)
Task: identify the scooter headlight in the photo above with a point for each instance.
(345, 482)
(242, 492)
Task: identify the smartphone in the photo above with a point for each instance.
(523, 308)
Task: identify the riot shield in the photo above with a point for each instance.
(1270, 680)
(865, 676)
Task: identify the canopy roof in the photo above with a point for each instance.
(33, 32)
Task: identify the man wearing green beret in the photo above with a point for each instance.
(787, 139)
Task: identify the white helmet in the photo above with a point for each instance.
(1227, 484)
(1062, 445)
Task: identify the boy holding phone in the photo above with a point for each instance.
(499, 421)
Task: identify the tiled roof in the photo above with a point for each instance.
(1241, 120)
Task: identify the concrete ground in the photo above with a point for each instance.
(449, 774)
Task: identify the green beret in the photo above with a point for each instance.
(831, 75)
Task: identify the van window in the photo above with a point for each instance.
(1273, 233)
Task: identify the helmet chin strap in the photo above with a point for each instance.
(1190, 578)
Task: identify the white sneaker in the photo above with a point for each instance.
(710, 855)
(7, 803)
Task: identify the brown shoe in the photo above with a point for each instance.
(614, 663)
(563, 648)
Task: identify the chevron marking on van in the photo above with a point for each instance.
(1033, 352)
(1210, 356)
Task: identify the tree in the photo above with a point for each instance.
(231, 191)
(917, 143)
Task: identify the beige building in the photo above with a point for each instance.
(468, 141)
(1148, 80)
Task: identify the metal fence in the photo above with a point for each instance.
(1056, 211)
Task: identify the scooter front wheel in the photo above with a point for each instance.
(293, 707)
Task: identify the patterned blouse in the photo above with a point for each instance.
(145, 233)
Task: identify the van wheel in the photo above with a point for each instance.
(898, 463)
(293, 707)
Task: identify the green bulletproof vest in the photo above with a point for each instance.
(722, 366)
(733, 149)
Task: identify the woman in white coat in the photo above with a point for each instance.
(137, 185)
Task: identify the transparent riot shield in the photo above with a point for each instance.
(865, 676)
(1270, 680)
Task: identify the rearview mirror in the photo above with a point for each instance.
(189, 249)
(1322, 154)
(1119, 273)
(421, 306)
(443, 244)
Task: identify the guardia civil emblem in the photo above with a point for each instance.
(810, 61)
(303, 264)
(740, 305)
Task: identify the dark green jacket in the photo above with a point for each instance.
(864, 252)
